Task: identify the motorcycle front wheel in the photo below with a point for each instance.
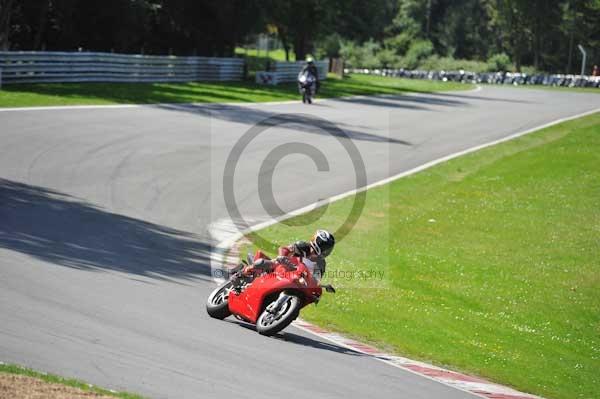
(271, 323)
(217, 305)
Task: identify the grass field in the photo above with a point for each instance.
(150, 93)
(27, 390)
(490, 262)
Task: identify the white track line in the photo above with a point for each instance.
(225, 243)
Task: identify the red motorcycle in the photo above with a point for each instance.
(271, 300)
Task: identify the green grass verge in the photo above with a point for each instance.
(50, 378)
(150, 93)
(490, 261)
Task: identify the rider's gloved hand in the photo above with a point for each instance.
(281, 259)
(248, 270)
(284, 260)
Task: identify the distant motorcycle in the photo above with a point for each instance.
(272, 300)
(307, 84)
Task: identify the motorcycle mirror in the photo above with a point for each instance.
(329, 288)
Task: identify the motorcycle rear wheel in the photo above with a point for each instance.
(270, 324)
(217, 305)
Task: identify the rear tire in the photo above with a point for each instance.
(217, 305)
(269, 324)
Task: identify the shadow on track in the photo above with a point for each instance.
(252, 116)
(307, 341)
(413, 102)
(300, 339)
(63, 230)
(468, 96)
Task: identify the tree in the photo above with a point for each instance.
(6, 11)
(280, 15)
(297, 23)
(542, 33)
(580, 24)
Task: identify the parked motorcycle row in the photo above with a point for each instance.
(506, 78)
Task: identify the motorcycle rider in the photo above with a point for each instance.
(313, 254)
(311, 68)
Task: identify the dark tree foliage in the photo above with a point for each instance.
(298, 22)
(182, 27)
(540, 33)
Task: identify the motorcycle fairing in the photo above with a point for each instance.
(249, 303)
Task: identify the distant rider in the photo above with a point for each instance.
(311, 68)
(313, 254)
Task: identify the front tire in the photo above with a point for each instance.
(217, 305)
(270, 324)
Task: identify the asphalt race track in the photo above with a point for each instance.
(104, 242)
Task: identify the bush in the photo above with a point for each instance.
(330, 47)
(529, 70)
(399, 43)
(417, 51)
(418, 56)
(435, 63)
(360, 56)
(387, 58)
(499, 63)
(351, 53)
